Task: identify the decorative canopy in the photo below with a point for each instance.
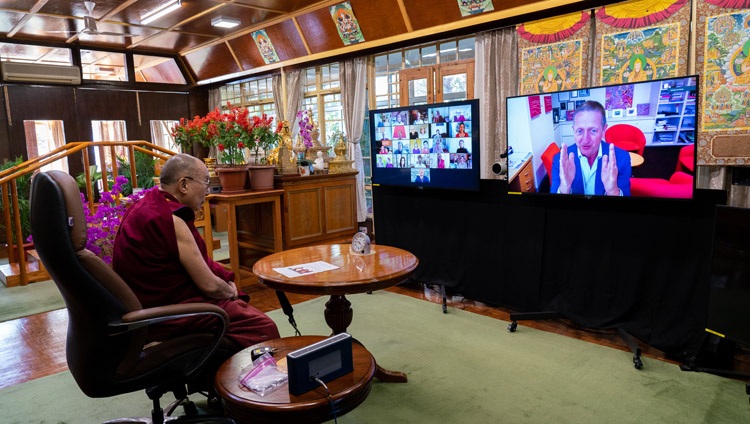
(639, 13)
(553, 29)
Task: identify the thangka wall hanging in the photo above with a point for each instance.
(723, 62)
(641, 40)
(346, 23)
(553, 53)
(265, 46)
(474, 7)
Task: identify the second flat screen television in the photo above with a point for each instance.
(651, 124)
(427, 146)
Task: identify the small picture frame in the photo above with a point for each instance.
(571, 106)
(564, 96)
(630, 111)
(617, 113)
(574, 94)
(583, 93)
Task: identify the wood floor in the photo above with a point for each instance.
(34, 346)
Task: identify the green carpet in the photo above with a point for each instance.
(21, 301)
(462, 368)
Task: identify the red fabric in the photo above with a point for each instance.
(554, 37)
(146, 256)
(730, 4)
(639, 21)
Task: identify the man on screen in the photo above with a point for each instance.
(592, 166)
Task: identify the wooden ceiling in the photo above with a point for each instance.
(300, 30)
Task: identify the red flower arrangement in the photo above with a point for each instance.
(231, 132)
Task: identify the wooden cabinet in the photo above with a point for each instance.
(522, 176)
(317, 208)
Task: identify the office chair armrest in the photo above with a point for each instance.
(146, 317)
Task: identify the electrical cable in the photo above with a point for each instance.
(330, 398)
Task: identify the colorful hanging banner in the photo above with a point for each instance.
(641, 40)
(346, 23)
(551, 53)
(267, 51)
(553, 29)
(723, 63)
(474, 7)
(638, 13)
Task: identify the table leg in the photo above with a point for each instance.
(338, 316)
(338, 313)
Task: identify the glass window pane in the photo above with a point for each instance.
(394, 61)
(103, 66)
(466, 48)
(454, 87)
(412, 59)
(429, 55)
(381, 64)
(157, 69)
(448, 52)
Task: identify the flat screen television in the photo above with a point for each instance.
(651, 124)
(432, 146)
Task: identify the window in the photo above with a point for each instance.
(323, 96)
(161, 134)
(255, 94)
(157, 69)
(41, 138)
(109, 131)
(103, 66)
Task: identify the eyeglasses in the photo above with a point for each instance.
(205, 183)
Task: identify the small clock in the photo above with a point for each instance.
(361, 243)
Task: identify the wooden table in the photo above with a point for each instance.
(246, 406)
(385, 267)
(635, 159)
(256, 228)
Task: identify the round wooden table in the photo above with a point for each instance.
(246, 406)
(356, 273)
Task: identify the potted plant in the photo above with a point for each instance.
(264, 138)
(192, 135)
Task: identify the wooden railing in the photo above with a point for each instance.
(18, 270)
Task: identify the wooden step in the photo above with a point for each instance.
(10, 274)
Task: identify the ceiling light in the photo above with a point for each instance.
(223, 22)
(166, 8)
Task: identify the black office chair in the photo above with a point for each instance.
(107, 349)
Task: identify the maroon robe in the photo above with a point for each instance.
(146, 256)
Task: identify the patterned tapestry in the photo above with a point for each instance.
(642, 40)
(723, 61)
(553, 53)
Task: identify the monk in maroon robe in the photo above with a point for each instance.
(160, 254)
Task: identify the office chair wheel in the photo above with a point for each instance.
(512, 326)
(637, 363)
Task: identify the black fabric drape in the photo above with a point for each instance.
(642, 265)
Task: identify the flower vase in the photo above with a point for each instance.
(261, 177)
(232, 178)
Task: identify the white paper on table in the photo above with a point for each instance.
(305, 269)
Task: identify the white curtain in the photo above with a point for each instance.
(214, 98)
(353, 77)
(294, 95)
(109, 131)
(495, 78)
(161, 134)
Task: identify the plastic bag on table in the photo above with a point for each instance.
(263, 376)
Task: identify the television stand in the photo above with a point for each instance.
(537, 316)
